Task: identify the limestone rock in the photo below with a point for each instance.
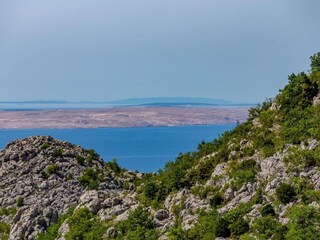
(45, 195)
(161, 214)
(91, 200)
(111, 232)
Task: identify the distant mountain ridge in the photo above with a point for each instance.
(131, 102)
(171, 100)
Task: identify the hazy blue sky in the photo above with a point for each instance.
(106, 50)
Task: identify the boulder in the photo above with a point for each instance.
(161, 214)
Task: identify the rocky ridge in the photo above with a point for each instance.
(39, 179)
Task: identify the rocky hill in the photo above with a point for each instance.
(259, 181)
(41, 178)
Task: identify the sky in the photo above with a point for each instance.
(104, 50)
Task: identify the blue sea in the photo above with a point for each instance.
(145, 149)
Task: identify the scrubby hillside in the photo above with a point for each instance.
(259, 181)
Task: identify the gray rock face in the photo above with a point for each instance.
(316, 100)
(161, 214)
(111, 232)
(91, 200)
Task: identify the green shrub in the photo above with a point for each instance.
(248, 152)
(139, 225)
(239, 227)
(266, 227)
(176, 233)
(303, 223)
(91, 178)
(209, 226)
(268, 210)
(114, 166)
(80, 160)
(309, 196)
(285, 193)
(92, 156)
(216, 200)
(45, 146)
(44, 174)
(222, 228)
(84, 225)
(8, 211)
(58, 152)
(20, 201)
(4, 231)
(244, 172)
(52, 169)
(150, 190)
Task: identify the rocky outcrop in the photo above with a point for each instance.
(39, 176)
(316, 100)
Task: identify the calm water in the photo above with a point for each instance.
(145, 149)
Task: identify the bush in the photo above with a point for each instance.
(92, 156)
(58, 152)
(45, 146)
(303, 223)
(222, 229)
(150, 190)
(176, 233)
(114, 166)
(80, 160)
(310, 196)
(8, 211)
(209, 226)
(239, 227)
(139, 225)
(266, 227)
(268, 210)
(53, 169)
(91, 178)
(20, 201)
(4, 231)
(244, 172)
(216, 200)
(44, 174)
(84, 225)
(285, 193)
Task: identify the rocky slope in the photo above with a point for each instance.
(40, 178)
(259, 181)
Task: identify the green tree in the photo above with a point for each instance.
(315, 62)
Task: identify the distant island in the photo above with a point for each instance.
(120, 117)
(136, 112)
